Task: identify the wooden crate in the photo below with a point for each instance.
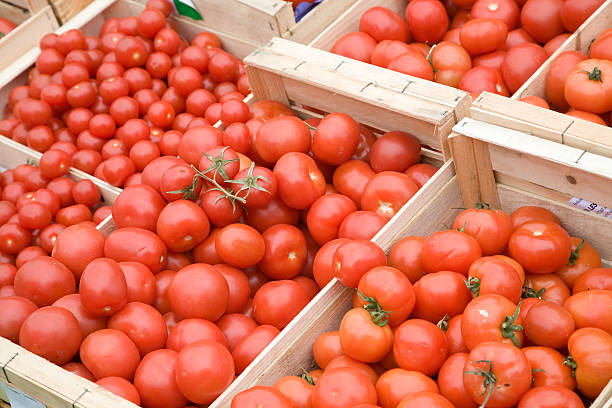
(426, 213)
(547, 124)
(66, 9)
(34, 20)
(300, 75)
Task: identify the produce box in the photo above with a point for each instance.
(374, 96)
(291, 351)
(66, 9)
(34, 20)
(549, 124)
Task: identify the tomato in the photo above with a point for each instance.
(449, 250)
(363, 336)
(483, 35)
(136, 244)
(405, 255)
(592, 117)
(351, 177)
(387, 192)
(44, 288)
(281, 135)
(250, 347)
(239, 288)
(583, 258)
(189, 331)
(80, 370)
(356, 45)
(198, 291)
(335, 139)
(520, 63)
(587, 87)
(343, 387)
(6, 26)
(252, 180)
(491, 318)
(600, 48)
(35, 216)
(103, 288)
(491, 275)
(78, 245)
(383, 24)
(548, 287)
(7, 273)
(87, 322)
(326, 214)
(121, 387)
(86, 192)
(109, 352)
(511, 374)
(427, 20)
(285, 251)
(596, 278)
(394, 151)
(540, 247)
(420, 345)
(542, 19)
(204, 369)
(483, 78)
(548, 368)
(546, 396)
(450, 62)
(297, 390)
(450, 381)
(591, 309)
(300, 182)
(548, 324)
(327, 347)
(277, 303)
(439, 294)
(322, 266)
(387, 50)
(396, 384)
(454, 337)
(138, 206)
(532, 213)
(591, 349)
(182, 225)
(155, 379)
(143, 324)
(555, 43)
(504, 10)
(240, 245)
(536, 101)
(14, 310)
(361, 225)
(414, 64)
(259, 396)
(491, 228)
(353, 259)
(52, 333)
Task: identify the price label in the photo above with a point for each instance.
(18, 399)
(588, 206)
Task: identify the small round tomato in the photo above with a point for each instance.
(483, 35)
(296, 389)
(327, 347)
(412, 63)
(556, 75)
(439, 294)
(86, 320)
(250, 347)
(335, 139)
(300, 182)
(449, 250)
(326, 214)
(491, 318)
(491, 274)
(121, 387)
(548, 324)
(182, 225)
(542, 19)
(191, 330)
(235, 328)
(505, 10)
(450, 62)
(285, 252)
(277, 303)
(138, 206)
(140, 282)
(155, 380)
(520, 63)
(496, 373)
(110, 353)
(351, 177)
(353, 259)
(240, 245)
(587, 87)
(52, 333)
(491, 228)
(358, 325)
(387, 192)
(427, 20)
(420, 345)
(78, 245)
(540, 397)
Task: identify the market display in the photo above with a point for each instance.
(173, 224)
(482, 45)
(487, 313)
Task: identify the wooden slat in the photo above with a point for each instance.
(14, 13)
(66, 9)
(318, 19)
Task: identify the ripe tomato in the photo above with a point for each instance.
(405, 255)
(345, 361)
(454, 336)
(182, 225)
(396, 384)
(597, 278)
(548, 287)
(138, 206)
(556, 75)
(542, 19)
(300, 182)
(14, 310)
(450, 62)
(144, 325)
(449, 250)
(261, 396)
(450, 381)
(536, 101)
(358, 325)
(425, 399)
(121, 387)
(483, 78)
(591, 349)
(427, 20)
(281, 135)
(353, 259)
(545, 396)
(587, 87)
(420, 345)
(439, 294)
(198, 291)
(505, 10)
(276, 303)
(110, 353)
(322, 265)
(240, 245)
(204, 369)
(52, 333)
(583, 258)
(155, 379)
(387, 50)
(532, 213)
(44, 280)
(103, 288)
(540, 247)
(238, 284)
(511, 374)
(250, 347)
(491, 228)
(351, 177)
(491, 318)
(326, 214)
(548, 324)
(600, 48)
(297, 390)
(86, 320)
(335, 139)
(483, 35)
(285, 251)
(548, 368)
(138, 245)
(383, 24)
(492, 275)
(343, 387)
(521, 62)
(80, 370)
(235, 328)
(591, 309)
(327, 347)
(387, 192)
(6, 26)
(358, 46)
(78, 245)
(412, 63)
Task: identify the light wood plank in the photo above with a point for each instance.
(318, 19)
(14, 13)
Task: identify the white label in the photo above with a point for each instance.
(591, 207)
(18, 399)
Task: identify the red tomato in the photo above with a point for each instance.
(86, 320)
(549, 368)
(449, 250)
(387, 192)
(353, 259)
(548, 324)
(545, 396)
(383, 24)
(542, 19)
(343, 387)
(439, 294)
(155, 379)
(405, 256)
(258, 396)
(491, 274)
(540, 247)
(235, 328)
(412, 63)
(182, 225)
(250, 347)
(491, 228)
(531, 213)
(361, 225)
(591, 349)
(583, 258)
(427, 20)
(189, 331)
(357, 46)
(454, 336)
(483, 35)
(396, 384)
(450, 381)
(277, 303)
(395, 151)
(285, 251)
(281, 135)
(491, 318)
(14, 310)
(322, 266)
(591, 309)
(44, 288)
(121, 387)
(138, 206)
(138, 245)
(420, 345)
(52, 333)
(521, 62)
(240, 245)
(143, 324)
(296, 389)
(555, 77)
(350, 179)
(483, 78)
(103, 288)
(78, 245)
(597, 278)
(300, 182)
(509, 367)
(335, 139)
(326, 214)
(505, 10)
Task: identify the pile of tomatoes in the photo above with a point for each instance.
(578, 83)
(473, 45)
(37, 204)
(498, 311)
(119, 100)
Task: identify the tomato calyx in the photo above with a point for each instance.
(307, 376)
(189, 191)
(489, 379)
(473, 284)
(535, 370)
(462, 229)
(248, 183)
(379, 316)
(571, 363)
(595, 75)
(443, 323)
(575, 254)
(218, 164)
(529, 292)
(482, 206)
(509, 329)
